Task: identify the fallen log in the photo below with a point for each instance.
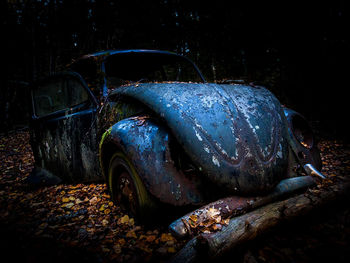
(248, 226)
(237, 205)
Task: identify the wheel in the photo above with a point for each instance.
(127, 189)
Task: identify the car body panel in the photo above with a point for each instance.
(236, 134)
(146, 144)
(65, 141)
(190, 142)
(310, 153)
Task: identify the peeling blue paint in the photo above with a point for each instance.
(234, 132)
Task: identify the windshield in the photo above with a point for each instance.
(127, 68)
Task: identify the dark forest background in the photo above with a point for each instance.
(297, 49)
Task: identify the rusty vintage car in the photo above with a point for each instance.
(149, 124)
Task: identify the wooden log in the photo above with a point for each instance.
(237, 205)
(248, 226)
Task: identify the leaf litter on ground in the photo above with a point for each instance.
(83, 217)
(76, 215)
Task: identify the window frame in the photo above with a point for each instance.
(91, 102)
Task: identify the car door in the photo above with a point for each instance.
(63, 128)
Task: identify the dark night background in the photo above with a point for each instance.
(298, 50)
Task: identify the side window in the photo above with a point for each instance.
(78, 93)
(58, 94)
(90, 72)
(50, 97)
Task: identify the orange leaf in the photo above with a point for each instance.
(65, 199)
(166, 237)
(131, 234)
(171, 250)
(151, 238)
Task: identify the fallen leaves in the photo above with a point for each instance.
(150, 238)
(68, 205)
(166, 238)
(335, 163)
(82, 216)
(93, 200)
(208, 221)
(124, 220)
(65, 199)
(76, 215)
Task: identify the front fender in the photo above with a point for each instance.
(147, 146)
(301, 139)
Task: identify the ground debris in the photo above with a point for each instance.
(208, 221)
(78, 216)
(79, 221)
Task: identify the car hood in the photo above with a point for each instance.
(235, 134)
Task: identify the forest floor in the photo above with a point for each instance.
(78, 222)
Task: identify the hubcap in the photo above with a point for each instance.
(127, 195)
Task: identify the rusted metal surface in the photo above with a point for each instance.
(301, 140)
(235, 205)
(64, 142)
(147, 146)
(311, 170)
(237, 139)
(235, 134)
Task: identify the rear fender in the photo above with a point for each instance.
(234, 134)
(146, 144)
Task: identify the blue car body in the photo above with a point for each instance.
(190, 142)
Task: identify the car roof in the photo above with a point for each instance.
(108, 53)
(125, 51)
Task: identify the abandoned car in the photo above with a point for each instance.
(149, 124)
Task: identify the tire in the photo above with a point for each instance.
(127, 189)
